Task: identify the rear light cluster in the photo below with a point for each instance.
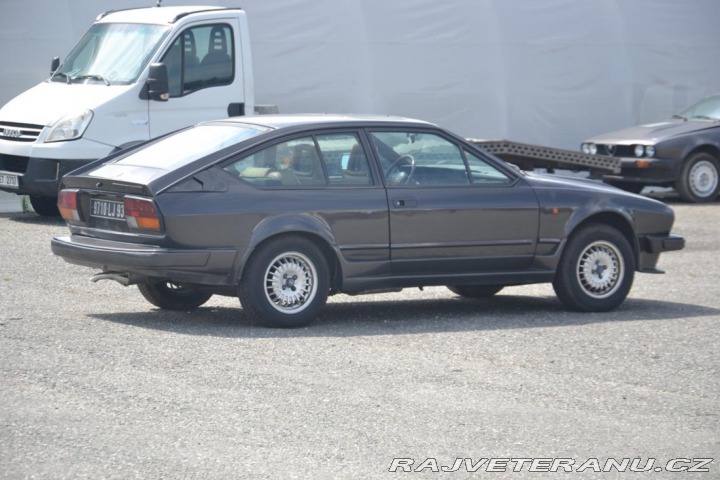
(140, 213)
(68, 205)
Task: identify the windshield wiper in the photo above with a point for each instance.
(706, 117)
(680, 117)
(91, 77)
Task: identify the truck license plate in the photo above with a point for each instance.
(10, 181)
(107, 209)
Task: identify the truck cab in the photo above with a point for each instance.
(135, 75)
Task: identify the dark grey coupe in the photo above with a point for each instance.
(283, 211)
(682, 152)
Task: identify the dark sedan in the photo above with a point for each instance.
(283, 211)
(682, 152)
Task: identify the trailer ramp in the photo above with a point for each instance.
(530, 157)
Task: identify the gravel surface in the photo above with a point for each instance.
(97, 383)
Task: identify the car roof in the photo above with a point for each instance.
(323, 119)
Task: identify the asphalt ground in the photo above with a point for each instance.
(97, 383)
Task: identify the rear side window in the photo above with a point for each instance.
(336, 159)
(294, 163)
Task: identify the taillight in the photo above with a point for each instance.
(140, 214)
(67, 204)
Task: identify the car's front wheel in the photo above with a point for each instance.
(700, 178)
(475, 291)
(596, 270)
(285, 283)
(44, 206)
(172, 296)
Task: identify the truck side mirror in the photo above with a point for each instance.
(54, 65)
(157, 82)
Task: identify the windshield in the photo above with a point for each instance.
(111, 53)
(708, 108)
(186, 146)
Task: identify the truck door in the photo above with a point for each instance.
(204, 78)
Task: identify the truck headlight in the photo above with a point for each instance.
(70, 126)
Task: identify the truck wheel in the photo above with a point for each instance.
(172, 296)
(475, 291)
(628, 186)
(285, 283)
(596, 270)
(45, 206)
(698, 181)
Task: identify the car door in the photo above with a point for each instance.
(451, 210)
(204, 78)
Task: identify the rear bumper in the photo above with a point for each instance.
(200, 266)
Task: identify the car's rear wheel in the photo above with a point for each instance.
(596, 270)
(172, 296)
(285, 283)
(44, 206)
(700, 178)
(475, 291)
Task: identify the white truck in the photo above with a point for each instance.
(135, 75)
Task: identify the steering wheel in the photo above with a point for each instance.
(397, 176)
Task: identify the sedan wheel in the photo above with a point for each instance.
(699, 181)
(596, 270)
(285, 283)
(173, 296)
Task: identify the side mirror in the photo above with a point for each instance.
(157, 82)
(54, 65)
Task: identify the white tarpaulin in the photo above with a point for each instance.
(550, 72)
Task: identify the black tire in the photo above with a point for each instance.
(172, 296)
(475, 291)
(285, 283)
(699, 180)
(45, 206)
(629, 186)
(596, 270)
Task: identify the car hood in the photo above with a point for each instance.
(539, 180)
(653, 132)
(47, 102)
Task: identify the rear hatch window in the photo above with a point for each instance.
(174, 151)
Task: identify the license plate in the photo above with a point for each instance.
(107, 209)
(9, 180)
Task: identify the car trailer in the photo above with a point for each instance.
(530, 157)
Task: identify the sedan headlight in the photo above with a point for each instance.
(639, 150)
(70, 126)
(589, 148)
(650, 150)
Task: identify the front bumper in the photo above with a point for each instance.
(651, 246)
(198, 266)
(646, 171)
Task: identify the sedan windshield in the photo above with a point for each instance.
(186, 146)
(708, 108)
(111, 54)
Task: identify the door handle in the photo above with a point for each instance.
(405, 202)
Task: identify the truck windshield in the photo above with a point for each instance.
(111, 54)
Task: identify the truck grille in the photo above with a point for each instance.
(19, 132)
(13, 163)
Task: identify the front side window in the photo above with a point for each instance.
(200, 57)
(294, 163)
(345, 159)
(481, 172)
(417, 158)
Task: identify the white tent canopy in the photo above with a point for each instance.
(551, 73)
